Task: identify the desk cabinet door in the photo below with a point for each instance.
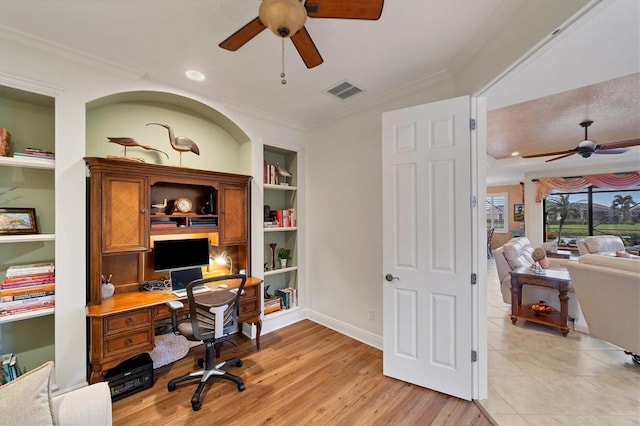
(125, 214)
(233, 225)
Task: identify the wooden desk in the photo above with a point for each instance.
(123, 325)
(558, 279)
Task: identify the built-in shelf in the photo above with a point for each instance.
(280, 229)
(26, 238)
(282, 312)
(34, 163)
(26, 315)
(280, 271)
(280, 187)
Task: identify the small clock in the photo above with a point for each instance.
(182, 205)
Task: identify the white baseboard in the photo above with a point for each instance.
(359, 334)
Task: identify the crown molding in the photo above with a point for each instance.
(10, 36)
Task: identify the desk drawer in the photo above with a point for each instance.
(250, 293)
(117, 323)
(135, 342)
(249, 308)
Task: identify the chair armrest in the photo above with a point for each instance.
(174, 306)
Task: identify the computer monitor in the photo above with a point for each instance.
(171, 255)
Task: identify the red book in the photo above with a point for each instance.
(279, 218)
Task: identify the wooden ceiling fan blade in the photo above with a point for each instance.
(547, 154)
(345, 9)
(238, 39)
(619, 144)
(560, 157)
(306, 48)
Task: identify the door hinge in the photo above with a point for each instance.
(474, 356)
(474, 201)
(472, 124)
(474, 279)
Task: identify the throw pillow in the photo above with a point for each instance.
(26, 400)
(623, 254)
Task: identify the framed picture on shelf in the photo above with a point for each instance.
(518, 212)
(18, 221)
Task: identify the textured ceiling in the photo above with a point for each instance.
(552, 123)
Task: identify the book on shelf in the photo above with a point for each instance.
(26, 305)
(27, 281)
(37, 156)
(30, 269)
(289, 297)
(203, 221)
(272, 304)
(26, 296)
(163, 225)
(11, 291)
(283, 218)
(8, 368)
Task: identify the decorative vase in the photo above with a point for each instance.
(283, 263)
(273, 255)
(107, 290)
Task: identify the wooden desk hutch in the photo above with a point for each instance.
(121, 235)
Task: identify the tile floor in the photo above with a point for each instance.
(538, 377)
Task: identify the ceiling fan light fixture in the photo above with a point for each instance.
(283, 17)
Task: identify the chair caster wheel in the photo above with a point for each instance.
(201, 362)
(196, 407)
(171, 387)
(241, 388)
(239, 364)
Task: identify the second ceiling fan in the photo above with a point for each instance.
(587, 147)
(286, 18)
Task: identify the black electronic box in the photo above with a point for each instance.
(130, 376)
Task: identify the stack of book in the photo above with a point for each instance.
(203, 222)
(8, 368)
(27, 288)
(281, 218)
(271, 304)
(162, 223)
(35, 153)
(289, 297)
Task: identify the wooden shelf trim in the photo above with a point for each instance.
(32, 163)
(26, 315)
(280, 271)
(26, 238)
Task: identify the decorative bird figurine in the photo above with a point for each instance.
(126, 142)
(179, 143)
(161, 207)
(283, 173)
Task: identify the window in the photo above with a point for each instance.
(593, 211)
(497, 212)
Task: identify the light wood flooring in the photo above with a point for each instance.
(305, 374)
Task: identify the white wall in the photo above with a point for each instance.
(344, 218)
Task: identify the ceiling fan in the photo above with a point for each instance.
(286, 18)
(586, 148)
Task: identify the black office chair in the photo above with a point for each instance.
(212, 316)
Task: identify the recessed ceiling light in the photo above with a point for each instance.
(515, 154)
(194, 75)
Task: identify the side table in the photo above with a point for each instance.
(558, 279)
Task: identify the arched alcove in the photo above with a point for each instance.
(222, 144)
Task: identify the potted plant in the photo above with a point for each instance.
(284, 254)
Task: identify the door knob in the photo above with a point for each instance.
(390, 277)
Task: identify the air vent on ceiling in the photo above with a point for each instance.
(343, 90)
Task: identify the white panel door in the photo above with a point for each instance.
(427, 246)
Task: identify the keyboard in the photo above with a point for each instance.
(183, 291)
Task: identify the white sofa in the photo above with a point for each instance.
(517, 252)
(600, 244)
(609, 292)
(28, 400)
